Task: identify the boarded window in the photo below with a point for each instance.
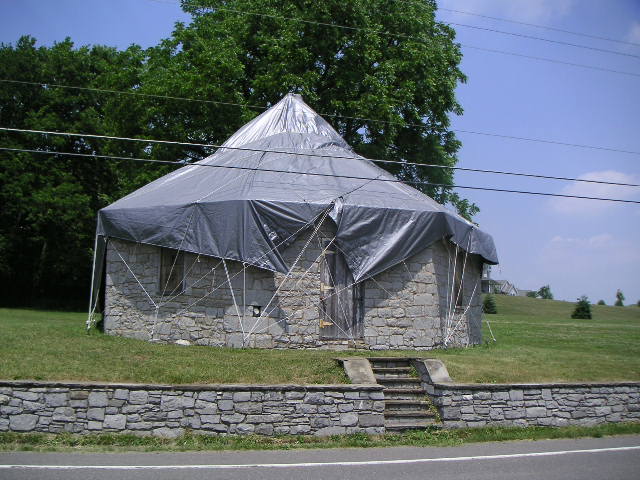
(171, 272)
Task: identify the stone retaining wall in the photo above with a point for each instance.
(476, 405)
(166, 410)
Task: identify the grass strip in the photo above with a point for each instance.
(537, 342)
(107, 442)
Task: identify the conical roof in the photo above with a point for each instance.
(270, 181)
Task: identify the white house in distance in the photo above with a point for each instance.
(286, 238)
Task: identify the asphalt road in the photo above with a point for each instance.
(608, 458)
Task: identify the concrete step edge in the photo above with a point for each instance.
(391, 369)
(420, 391)
(410, 414)
(397, 379)
(400, 427)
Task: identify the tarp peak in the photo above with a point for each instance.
(289, 115)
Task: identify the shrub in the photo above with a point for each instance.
(601, 302)
(583, 308)
(532, 294)
(489, 304)
(619, 299)
(545, 292)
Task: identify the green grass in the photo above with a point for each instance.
(537, 341)
(190, 442)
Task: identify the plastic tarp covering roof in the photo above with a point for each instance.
(251, 211)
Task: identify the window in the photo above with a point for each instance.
(458, 287)
(171, 272)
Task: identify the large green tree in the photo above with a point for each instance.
(48, 201)
(387, 84)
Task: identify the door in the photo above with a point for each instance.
(340, 300)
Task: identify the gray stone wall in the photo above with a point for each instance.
(476, 405)
(168, 411)
(405, 307)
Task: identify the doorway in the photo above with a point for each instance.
(341, 301)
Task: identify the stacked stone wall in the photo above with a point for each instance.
(164, 410)
(476, 405)
(409, 305)
(405, 307)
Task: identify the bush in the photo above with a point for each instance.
(619, 299)
(583, 308)
(489, 304)
(532, 294)
(601, 302)
(545, 292)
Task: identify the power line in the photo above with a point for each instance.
(542, 39)
(315, 174)
(550, 60)
(311, 154)
(551, 142)
(123, 92)
(364, 119)
(545, 27)
(400, 35)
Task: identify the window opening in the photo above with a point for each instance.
(171, 272)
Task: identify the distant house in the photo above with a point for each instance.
(524, 293)
(501, 287)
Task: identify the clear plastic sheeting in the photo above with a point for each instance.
(253, 211)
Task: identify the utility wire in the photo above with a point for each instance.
(550, 60)
(401, 35)
(542, 39)
(123, 92)
(545, 27)
(551, 142)
(364, 119)
(315, 174)
(311, 154)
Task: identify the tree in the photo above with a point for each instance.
(49, 202)
(583, 308)
(545, 292)
(388, 87)
(619, 298)
(601, 302)
(389, 95)
(489, 304)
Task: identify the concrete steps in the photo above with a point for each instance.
(406, 405)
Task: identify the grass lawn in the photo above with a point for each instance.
(536, 341)
(108, 442)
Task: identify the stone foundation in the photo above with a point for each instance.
(404, 307)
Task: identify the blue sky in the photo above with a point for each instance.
(576, 246)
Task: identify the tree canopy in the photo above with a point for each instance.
(387, 84)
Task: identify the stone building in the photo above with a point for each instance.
(285, 238)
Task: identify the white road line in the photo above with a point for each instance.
(314, 464)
